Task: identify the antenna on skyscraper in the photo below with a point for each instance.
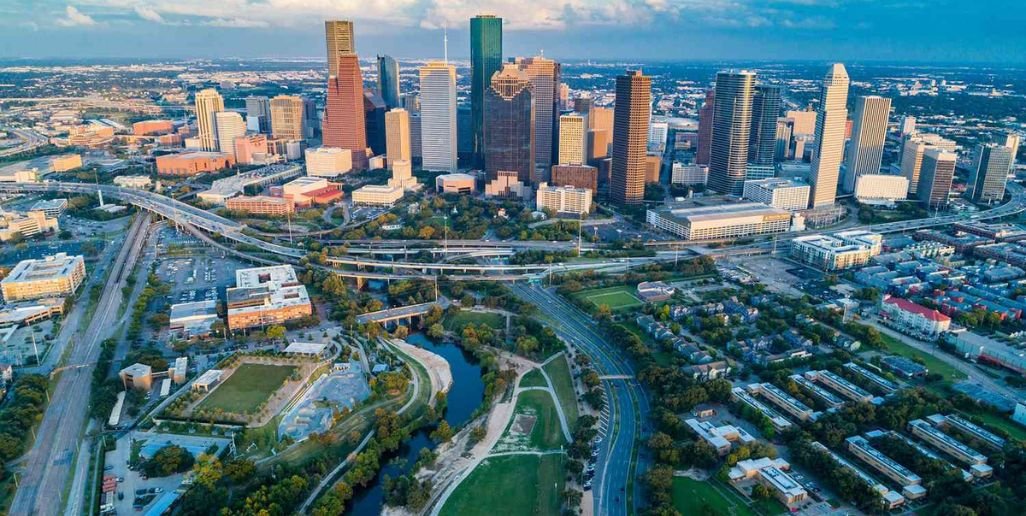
(445, 41)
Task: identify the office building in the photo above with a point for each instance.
(344, 122)
(455, 184)
(762, 138)
(770, 473)
(912, 150)
(990, 173)
(137, 376)
(732, 124)
(705, 128)
(258, 114)
(397, 136)
(507, 185)
(251, 149)
(230, 126)
(580, 176)
(600, 133)
(208, 103)
(388, 81)
(630, 134)
(804, 122)
(485, 61)
(869, 130)
(722, 221)
(262, 205)
(563, 199)
(52, 276)
(837, 252)
(657, 134)
(831, 118)
(51, 207)
(935, 178)
(328, 161)
(786, 194)
(374, 123)
(573, 139)
(18, 226)
(187, 320)
(151, 127)
(509, 123)
(308, 190)
(264, 296)
(544, 75)
(689, 175)
(378, 195)
(653, 167)
(907, 126)
(438, 117)
(880, 189)
(719, 437)
(1012, 142)
(193, 163)
(784, 133)
(288, 117)
(340, 42)
(912, 317)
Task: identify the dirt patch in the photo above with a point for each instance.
(523, 424)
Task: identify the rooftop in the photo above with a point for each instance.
(47, 268)
(908, 306)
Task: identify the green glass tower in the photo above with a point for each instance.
(485, 60)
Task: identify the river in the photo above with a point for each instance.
(464, 398)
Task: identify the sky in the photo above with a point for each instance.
(914, 31)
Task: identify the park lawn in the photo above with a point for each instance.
(247, 388)
(934, 364)
(997, 421)
(533, 378)
(456, 321)
(691, 496)
(546, 433)
(617, 298)
(563, 383)
(518, 484)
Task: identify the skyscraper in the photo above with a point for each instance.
(935, 178)
(1012, 142)
(762, 139)
(208, 102)
(630, 137)
(438, 116)
(258, 114)
(785, 129)
(230, 126)
(865, 152)
(339, 37)
(374, 121)
(344, 125)
(388, 81)
(990, 173)
(397, 136)
(731, 128)
(573, 139)
(705, 128)
(544, 75)
(288, 114)
(509, 137)
(485, 60)
(600, 133)
(831, 118)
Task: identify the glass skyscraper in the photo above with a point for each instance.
(485, 60)
(388, 81)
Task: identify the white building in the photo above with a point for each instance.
(689, 175)
(840, 251)
(869, 130)
(328, 161)
(721, 221)
(438, 116)
(52, 276)
(913, 317)
(657, 133)
(880, 189)
(563, 199)
(771, 474)
(573, 139)
(230, 126)
(831, 119)
(133, 181)
(786, 194)
(378, 195)
(208, 103)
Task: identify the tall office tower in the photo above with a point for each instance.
(573, 139)
(908, 126)
(259, 109)
(705, 128)
(630, 135)
(544, 76)
(785, 128)
(732, 124)
(339, 36)
(230, 126)
(990, 173)
(288, 114)
(397, 131)
(310, 118)
(831, 119)
(374, 121)
(465, 135)
(600, 133)
(509, 138)
(804, 122)
(388, 81)
(344, 125)
(582, 104)
(564, 96)
(762, 139)
(912, 162)
(415, 140)
(865, 152)
(438, 116)
(1012, 142)
(410, 102)
(935, 178)
(485, 60)
(208, 102)
(657, 134)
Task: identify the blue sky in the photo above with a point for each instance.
(966, 31)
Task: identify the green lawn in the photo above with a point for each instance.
(934, 364)
(997, 421)
(456, 321)
(563, 383)
(533, 378)
(518, 484)
(617, 298)
(546, 434)
(693, 497)
(248, 387)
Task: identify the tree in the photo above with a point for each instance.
(436, 331)
(275, 332)
(443, 433)
(168, 460)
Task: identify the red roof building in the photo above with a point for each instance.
(913, 318)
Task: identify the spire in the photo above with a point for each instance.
(445, 42)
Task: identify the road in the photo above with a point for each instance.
(48, 464)
(30, 140)
(627, 405)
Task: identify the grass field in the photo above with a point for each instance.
(533, 378)
(248, 387)
(616, 298)
(563, 383)
(997, 421)
(458, 320)
(546, 434)
(693, 497)
(934, 364)
(519, 484)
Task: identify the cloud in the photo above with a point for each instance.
(149, 14)
(236, 23)
(75, 18)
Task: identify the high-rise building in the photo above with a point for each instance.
(831, 118)
(804, 122)
(732, 124)
(582, 104)
(438, 116)
(990, 173)
(485, 60)
(912, 150)
(415, 139)
(230, 126)
(288, 114)
(374, 121)
(600, 133)
(935, 178)
(258, 114)
(397, 136)
(657, 134)
(865, 152)
(705, 128)
(573, 139)
(208, 103)
(344, 123)
(544, 75)
(311, 121)
(762, 139)
(339, 36)
(908, 126)
(785, 129)
(388, 81)
(631, 115)
(509, 137)
(1012, 142)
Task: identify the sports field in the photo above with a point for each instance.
(616, 298)
(247, 388)
(545, 432)
(691, 496)
(539, 482)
